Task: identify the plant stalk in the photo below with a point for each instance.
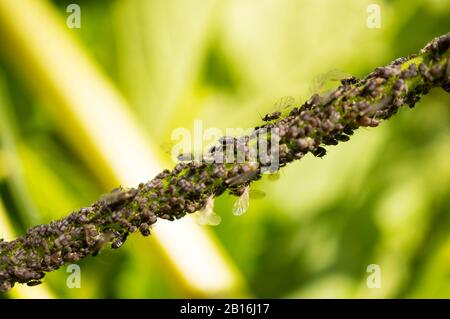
(321, 121)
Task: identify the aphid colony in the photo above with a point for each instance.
(191, 186)
(330, 119)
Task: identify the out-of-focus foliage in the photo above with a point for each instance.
(382, 198)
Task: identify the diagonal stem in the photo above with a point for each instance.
(321, 121)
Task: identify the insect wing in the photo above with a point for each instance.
(213, 220)
(242, 203)
(284, 102)
(320, 82)
(206, 216)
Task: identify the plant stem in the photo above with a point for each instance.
(322, 120)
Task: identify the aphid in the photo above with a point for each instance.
(304, 143)
(369, 88)
(349, 80)
(242, 203)
(411, 71)
(423, 68)
(283, 103)
(72, 257)
(242, 178)
(207, 216)
(34, 283)
(23, 275)
(329, 140)
(315, 99)
(367, 121)
(412, 99)
(342, 137)
(348, 130)
(399, 86)
(298, 155)
(271, 116)
(117, 197)
(436, 71)
(319, 152)
(144, 228)
(118, 242)
(443, 43)
(294, 111)
(385, 72)
(399, 61)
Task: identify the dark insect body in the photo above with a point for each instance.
(271, 116)
(319, 152)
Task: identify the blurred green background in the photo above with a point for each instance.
(382, 198)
